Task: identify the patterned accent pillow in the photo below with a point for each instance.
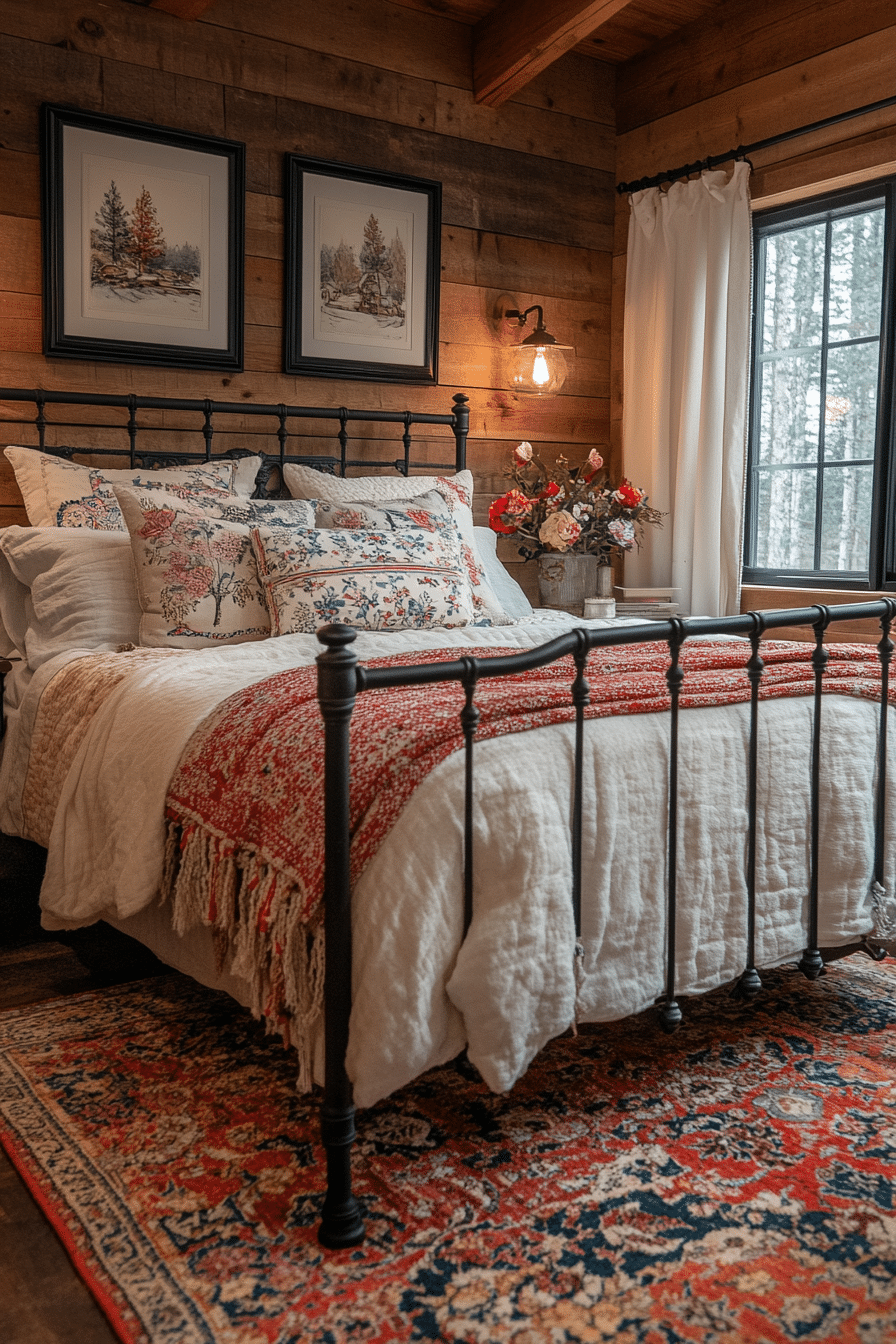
(307, 483)
(58, 493)
(372, 580)
(430, 511)
(197, 579)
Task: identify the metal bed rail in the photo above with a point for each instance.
(286, 417)
(341, 678)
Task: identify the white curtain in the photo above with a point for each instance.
(687, 345)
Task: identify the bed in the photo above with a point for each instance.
(615, 854)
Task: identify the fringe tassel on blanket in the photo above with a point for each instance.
(251, 908)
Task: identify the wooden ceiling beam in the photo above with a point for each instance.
(182, 9)
(520, 38)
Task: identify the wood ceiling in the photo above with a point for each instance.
(514, 40)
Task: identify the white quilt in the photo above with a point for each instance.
(419, 994)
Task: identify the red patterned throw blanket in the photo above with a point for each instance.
(245, 808)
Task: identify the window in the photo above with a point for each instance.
(821, 482)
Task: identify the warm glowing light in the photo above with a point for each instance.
(540, 372)
(535, 364)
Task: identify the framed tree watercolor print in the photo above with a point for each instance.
(362, 273)
(143, 234)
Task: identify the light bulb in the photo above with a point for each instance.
(538, 370)
(541, 374)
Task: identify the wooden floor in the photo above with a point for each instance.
(42, 1299)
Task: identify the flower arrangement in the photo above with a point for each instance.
(574, 510)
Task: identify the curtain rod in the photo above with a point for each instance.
(743, 151)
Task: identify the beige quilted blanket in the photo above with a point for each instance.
(67, 709)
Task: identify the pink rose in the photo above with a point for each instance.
(595, 461)
(523, 452)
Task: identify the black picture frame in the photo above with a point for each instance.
(107, 296)
(343, 319)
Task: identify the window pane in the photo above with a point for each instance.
(790, 407)
(785, 514)
(846, 518)
(857, 268)
(793, 302)
(850, 403)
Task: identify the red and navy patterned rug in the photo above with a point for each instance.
(731, 1183)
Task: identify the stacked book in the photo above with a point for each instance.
(649, 604)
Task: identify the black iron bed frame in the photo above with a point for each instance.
(341, 678)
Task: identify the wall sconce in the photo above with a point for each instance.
(536, 364)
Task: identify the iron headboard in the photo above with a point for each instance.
(209, 427)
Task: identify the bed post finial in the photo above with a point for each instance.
(461, 427)
(337, 685)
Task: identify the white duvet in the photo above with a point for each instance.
(420, 993)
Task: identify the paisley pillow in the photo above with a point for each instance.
(369, 579)
(197, 579)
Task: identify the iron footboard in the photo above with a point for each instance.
(341, 678)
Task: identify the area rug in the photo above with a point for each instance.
(731, 1183)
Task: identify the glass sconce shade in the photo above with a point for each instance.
(537, 369)
(537, 365)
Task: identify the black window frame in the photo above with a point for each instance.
(881, 574)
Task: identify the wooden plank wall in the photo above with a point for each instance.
(528, 202)
(752, 69)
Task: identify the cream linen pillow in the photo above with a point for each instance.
(371, 580)
(307, 483)
(196, 575)
(58, 493)
(67, 588)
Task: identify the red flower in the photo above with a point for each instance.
(551, 489)
(495, 509)
(628, 495)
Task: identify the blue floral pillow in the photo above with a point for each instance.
(370, 579)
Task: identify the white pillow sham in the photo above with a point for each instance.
(58, 493)
(368, 579)
(504, 585)
(308, 483)
(197, 580)
(67, 588)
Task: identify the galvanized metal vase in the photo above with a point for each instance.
(565, 580)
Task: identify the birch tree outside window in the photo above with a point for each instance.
(820, 492)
